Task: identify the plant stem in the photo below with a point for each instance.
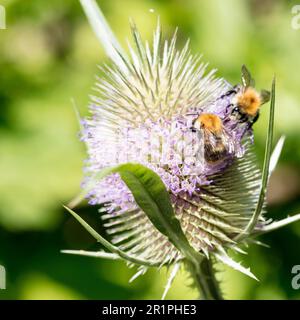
(205, 280)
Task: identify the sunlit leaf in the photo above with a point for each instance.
(107, 244)
(104, 32)
(153, 198)
(265, 171)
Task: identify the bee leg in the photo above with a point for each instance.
(228, 93)
(243, 118)
(227, 108)
(254, 120)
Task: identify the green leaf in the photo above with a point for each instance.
(108, 245)
(170, 280)
(277, 224)
(276, 154)
(265, 173)
(95, 254)
(223, 257)
(153, 198)
(103, 32)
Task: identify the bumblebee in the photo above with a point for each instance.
(210, 127)
(246, 101)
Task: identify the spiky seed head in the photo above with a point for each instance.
(144, 113)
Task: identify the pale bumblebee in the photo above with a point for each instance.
(212, 133)
(246, 101)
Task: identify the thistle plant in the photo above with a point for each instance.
(170, 159)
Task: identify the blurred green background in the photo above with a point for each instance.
(48, 56)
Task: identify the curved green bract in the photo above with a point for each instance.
(108, 245)
(265, 172)
(153, 198)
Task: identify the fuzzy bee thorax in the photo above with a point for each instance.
(249, 101)
(210, 122)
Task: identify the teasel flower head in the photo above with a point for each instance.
(166, 124)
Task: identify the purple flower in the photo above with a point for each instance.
(161, 108)
(146, 115)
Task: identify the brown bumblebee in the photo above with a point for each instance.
(215, 143)
(246, 101)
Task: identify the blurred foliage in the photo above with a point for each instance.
(49, 56)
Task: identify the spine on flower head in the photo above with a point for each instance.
(191, 128)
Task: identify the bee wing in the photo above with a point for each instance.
(246, 78)
(214, 148)
(265, 96)
(228, 143)
(209, 137)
